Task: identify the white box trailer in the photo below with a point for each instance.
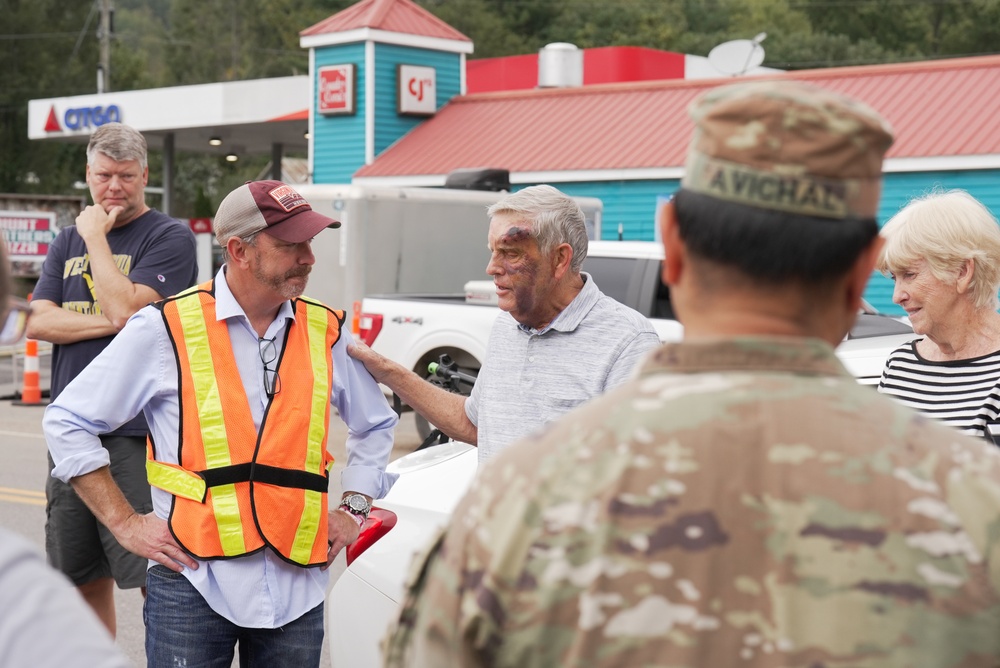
(403, 240)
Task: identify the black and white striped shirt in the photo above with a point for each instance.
(962, 393)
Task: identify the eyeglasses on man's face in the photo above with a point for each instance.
(15, 321)
(268, 355)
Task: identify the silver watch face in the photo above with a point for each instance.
(358, 504)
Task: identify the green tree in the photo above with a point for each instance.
(653, 25)
(537, 21)
(908, 28)
(817, 50)
(139, 49)
(48, 48)
(479, 21)
(232, 40)
(973, 31)
(202, 204)
(44, 52)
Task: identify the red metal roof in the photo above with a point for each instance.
(402, 16)
(937, 108)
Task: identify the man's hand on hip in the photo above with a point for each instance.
(145, 535)
(150, 537)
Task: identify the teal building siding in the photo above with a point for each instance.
(632, 206)
(628, 205)
(900, 188)
(389, 125)
(339, 141)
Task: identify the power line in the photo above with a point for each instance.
(86, 26)
(38, 35)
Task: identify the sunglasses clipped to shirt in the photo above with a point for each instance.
(268, 356)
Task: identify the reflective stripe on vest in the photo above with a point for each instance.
(314, 509)
(176, 480)
(236, 490)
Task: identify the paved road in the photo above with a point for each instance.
(22, 498)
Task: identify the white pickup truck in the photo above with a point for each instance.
(416, 330)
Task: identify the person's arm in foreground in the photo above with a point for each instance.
(44, 622)
(444, 409)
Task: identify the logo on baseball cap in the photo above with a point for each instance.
(272, 207)
(788, 146)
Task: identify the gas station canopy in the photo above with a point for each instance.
(249, 117)
(232, 119)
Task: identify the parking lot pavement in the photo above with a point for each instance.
(22, 499)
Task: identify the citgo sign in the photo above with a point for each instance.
(81, 118)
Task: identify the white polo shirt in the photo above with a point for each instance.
(530, 377)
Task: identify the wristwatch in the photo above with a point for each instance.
(356, 504)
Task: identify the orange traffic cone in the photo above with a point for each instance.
(31, 389)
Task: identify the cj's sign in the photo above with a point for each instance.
(335, 90)
(417, 90)
(83, 118)
(27, 233)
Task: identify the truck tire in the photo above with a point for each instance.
(424, 428)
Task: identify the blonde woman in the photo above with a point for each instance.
(943, 253)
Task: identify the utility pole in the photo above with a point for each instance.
(104, 33)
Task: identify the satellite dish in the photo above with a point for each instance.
(738, 56)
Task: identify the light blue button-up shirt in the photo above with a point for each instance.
(138, 372)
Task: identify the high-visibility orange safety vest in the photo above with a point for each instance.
(237, 490)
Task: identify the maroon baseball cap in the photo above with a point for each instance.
(272, 207)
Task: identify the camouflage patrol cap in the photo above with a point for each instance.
(788, 146)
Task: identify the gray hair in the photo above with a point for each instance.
(946, 229)
(119, 142)
(248, 240)
(554, 216)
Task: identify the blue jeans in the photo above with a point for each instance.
(183, 631)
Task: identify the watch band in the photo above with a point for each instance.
(347, 511)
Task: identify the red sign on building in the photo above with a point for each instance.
(200, 225)
(336, 90)
(27, 233)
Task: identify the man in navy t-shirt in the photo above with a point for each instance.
(120, 256)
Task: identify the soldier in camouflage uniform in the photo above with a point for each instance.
(743, 502)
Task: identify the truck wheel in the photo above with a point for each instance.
(424, 428)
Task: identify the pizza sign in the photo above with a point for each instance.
(27, 233)
(336, 90)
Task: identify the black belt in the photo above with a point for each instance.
(269, 475)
